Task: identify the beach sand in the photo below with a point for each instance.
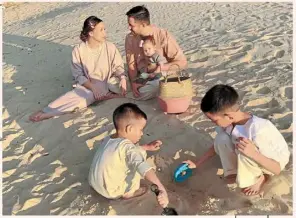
(45, 164)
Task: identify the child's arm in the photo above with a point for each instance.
(163, 196)
(268, 163)
(248, 148)
(137, 161)
(210, 153)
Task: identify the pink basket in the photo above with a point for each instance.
(174, 105)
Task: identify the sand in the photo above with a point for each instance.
(45, 165)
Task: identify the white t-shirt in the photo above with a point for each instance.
(268, 140)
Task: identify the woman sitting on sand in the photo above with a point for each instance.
(97, 68)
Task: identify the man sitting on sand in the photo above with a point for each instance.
(250, 148)
(119, 163)
(166, 45)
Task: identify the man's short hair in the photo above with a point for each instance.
(127, 113)
(219, 98)
(139, 13)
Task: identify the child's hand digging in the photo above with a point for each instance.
(152, 146)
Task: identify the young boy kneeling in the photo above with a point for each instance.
(119, 163)
(250, 148)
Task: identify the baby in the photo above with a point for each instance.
(153, 58)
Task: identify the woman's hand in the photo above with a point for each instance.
(123, 86)
(98, 94)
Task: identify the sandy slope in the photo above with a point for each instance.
(45, 165)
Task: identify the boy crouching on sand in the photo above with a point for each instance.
(250, 148)
(119, 163)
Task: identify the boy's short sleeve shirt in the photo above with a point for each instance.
(136, 158)
(268, 140)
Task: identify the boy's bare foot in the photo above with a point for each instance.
(141, 191)
(256, 188)
(39, 116)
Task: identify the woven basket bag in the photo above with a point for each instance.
(176, 87)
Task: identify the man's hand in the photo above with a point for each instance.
(246, 147)
(135, 89)
(190, 163)
(123, 86)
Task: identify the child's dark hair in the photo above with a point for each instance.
(89, 25)
(219, 98)
(150, 39)
(139, 13)
(127, 111)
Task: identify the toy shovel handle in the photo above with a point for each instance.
(154, 188)
(166, 210)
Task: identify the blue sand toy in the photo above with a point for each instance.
(182, 172)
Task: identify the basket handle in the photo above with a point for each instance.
(166, 78)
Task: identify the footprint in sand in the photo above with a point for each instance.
(246, 48)
(263, 90)
(264, 61)
(263, 102)
(286, 92)
(288, 67)
(283, 17)
(283, 120)
(279, 54)
(289, 92)
(219, 17)
(203, 59)
(257, 17)
(276, 43)
(237, 56)
(196, 58)
(251, 38)
(209, 29)
(289, 104)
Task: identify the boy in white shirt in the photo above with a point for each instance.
(119, 163)
(250, 148)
